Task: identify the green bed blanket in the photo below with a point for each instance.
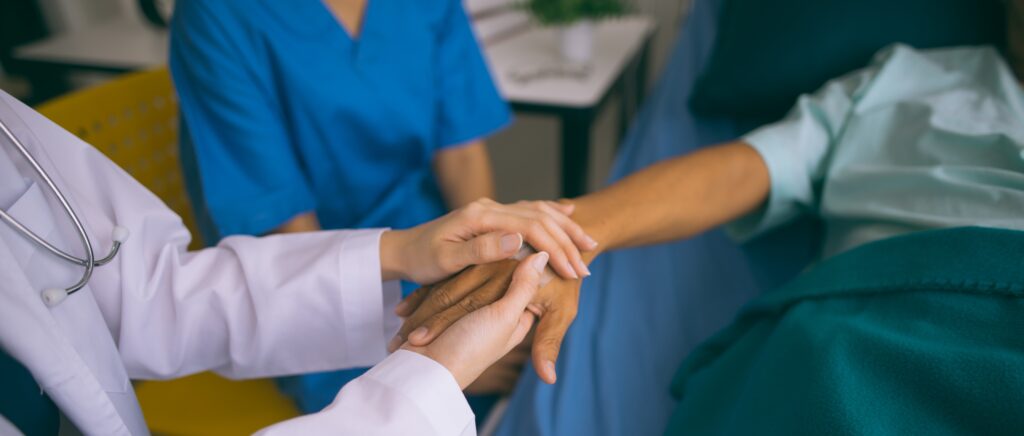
(917, 334)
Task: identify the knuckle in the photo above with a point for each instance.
(550, 342)
(474, 208)
(548, 222)
(443, 298)
(478, 250)
(441, 320)
(468, 305)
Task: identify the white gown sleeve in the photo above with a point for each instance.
(406, 394)
(796, 151)
(249, 307)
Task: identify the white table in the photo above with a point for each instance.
(619, 63)
(533, 77)
(118, 45)
(115, 46)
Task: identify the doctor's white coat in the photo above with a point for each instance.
(250, 307)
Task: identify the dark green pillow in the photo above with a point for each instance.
(768, 52)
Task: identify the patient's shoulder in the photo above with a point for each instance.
(959, 58)
(900, 72)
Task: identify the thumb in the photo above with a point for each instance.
(548, 341)
(487, 248)
(522, 329)
(525, 283)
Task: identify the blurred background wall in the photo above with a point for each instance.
(526, 155)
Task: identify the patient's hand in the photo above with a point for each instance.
(430, 310)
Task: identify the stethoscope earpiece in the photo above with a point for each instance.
(54, 296)
(120, 234)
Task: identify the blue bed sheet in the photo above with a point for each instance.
(645, 309)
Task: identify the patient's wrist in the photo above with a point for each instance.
(595, 222)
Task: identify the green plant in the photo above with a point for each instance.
(568, 11)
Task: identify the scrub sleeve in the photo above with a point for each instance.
(469, 106)
(261, 182)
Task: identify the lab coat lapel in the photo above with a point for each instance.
(29, 333)
(45, 339)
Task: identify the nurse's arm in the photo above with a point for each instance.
(304, 222)
(464, 174)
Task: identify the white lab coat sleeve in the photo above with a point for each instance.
(249, 307)
(280, 304)
(406, 394)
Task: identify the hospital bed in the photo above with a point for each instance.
(645, 309)
(667, 297)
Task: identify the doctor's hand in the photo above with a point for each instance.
(481, 232)
(430, 310)
(479, 339)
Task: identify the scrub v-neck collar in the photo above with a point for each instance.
(353, 38)
(314, 18)
(354, 43)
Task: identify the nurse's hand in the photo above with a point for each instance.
(432, 309)
(479, 339)
(481, 232)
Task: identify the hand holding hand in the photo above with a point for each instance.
(482, 232)
(431, 310)
(479, 339)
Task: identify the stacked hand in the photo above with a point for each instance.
(475, 342)
(431, 310)
(485, 231)
(479, 240)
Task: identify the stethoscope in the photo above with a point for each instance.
(54, 296)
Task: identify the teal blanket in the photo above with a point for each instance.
(918, 334)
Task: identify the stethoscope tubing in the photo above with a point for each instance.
(90, 262)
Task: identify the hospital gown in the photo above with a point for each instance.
(906, 334)
(694, 287)
(918, 140)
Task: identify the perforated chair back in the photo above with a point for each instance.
(133, 120)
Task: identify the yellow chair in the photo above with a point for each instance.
(134, 121)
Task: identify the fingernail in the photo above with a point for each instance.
(572, 271)
(591, 242)
(418, 335)
(540, 261)
(549, 367)
(395, 343)
(511, 243)
(402, 305)
(583, 267)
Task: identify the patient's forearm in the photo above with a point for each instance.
(677, 198)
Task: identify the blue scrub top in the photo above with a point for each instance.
(284, 113)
